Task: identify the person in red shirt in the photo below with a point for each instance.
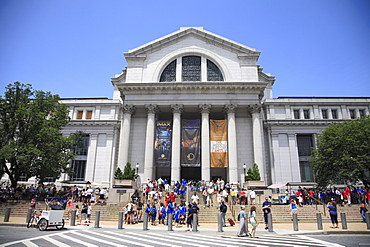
(173, 197)
(347, 191)
(33, 203)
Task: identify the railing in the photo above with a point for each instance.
(319, 202)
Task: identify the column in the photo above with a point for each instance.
(257, 138)
(232, 147)
(149, 142)
(176, 141)
(205, 163)
(128, 110)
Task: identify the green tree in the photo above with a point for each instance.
(128, 173)
(343, 153)
(31, 143)
(253, 174)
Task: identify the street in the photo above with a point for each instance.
(20, 236)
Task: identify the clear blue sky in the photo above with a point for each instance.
(73, 47)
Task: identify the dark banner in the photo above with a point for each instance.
(190, 144)
(218, 138)
(163, 144)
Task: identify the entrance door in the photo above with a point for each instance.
(191, 173)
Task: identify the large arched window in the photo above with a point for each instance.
(191, 68)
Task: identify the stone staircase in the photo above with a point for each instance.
(280, 213)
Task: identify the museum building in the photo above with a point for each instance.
(196, 105)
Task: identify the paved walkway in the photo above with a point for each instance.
(278, 228)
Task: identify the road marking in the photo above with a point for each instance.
(77, 240)
(55, 242)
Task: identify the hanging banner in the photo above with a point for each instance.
(218, 139)
(163, 144)
(190, 143)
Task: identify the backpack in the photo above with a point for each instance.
(152, 211)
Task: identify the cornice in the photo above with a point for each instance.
(191, 86)
(93, 123)
(300, 122)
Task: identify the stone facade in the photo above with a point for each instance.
(269, 132)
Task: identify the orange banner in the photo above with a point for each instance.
(218, 139)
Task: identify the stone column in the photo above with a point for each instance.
(128, 110)
(232, 147)
(257, 138)
(176, 143)
(149, 142)
(206, 162)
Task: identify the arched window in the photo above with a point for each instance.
(213, 72)
(191, 70)
(169, 73)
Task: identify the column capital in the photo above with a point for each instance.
(254, 108)
(230, 108)
(177, 108)
(152, 108)
(128, 109)
(205, 108)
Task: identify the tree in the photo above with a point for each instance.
(343, 153)
(31, 143)
(128, 173)
(253, 174)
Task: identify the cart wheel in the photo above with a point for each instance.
(31, 222)
(43, 224)
(61, 226)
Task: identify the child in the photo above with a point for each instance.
(161, 213)
(78, 215)
(89, 210)
(177, 216)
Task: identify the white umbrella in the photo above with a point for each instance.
(95, 184)
(275, 186)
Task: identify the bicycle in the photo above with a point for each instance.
(33, 221)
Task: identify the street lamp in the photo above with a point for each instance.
(137, 168)
(244, 167)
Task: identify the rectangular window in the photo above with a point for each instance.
(23, 177)
(352, 114)
(296, 114)
(79, 169)
(89, 115)
(306, 171)
(83, 146)
(324, 113)
(361, 112)
(334, 113)
(305, 144)
(306, 114)
(79, 114)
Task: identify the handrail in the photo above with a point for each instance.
(317, 201)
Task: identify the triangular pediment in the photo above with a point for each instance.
(197, 32)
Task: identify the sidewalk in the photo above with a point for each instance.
(208, 228)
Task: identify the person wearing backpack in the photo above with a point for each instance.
(243, 223)
(223, 210)
(153, 213)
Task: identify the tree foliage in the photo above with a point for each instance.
(128, 173)
(253, 174)
(343, 153)
(31, 143)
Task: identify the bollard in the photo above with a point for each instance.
(120, 220)
(170, 219)
(29, 214)
(73, 218)
(195, 222)
(319, 221)
(220, 223)
(269, 222)
(344, 220)
(295, 222)
(7, 214)
(97, 219)
(145, 222)
(368, 220)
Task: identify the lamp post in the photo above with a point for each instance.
(244, 167)
(137, 168)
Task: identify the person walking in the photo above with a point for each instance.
(363, 211)
(253, 221)
(243, 223)
(293, 207)
(223, 210)
(252, 195)
(266, 208)
(332, 206)
(69, 206)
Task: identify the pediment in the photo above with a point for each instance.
(140, 52)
